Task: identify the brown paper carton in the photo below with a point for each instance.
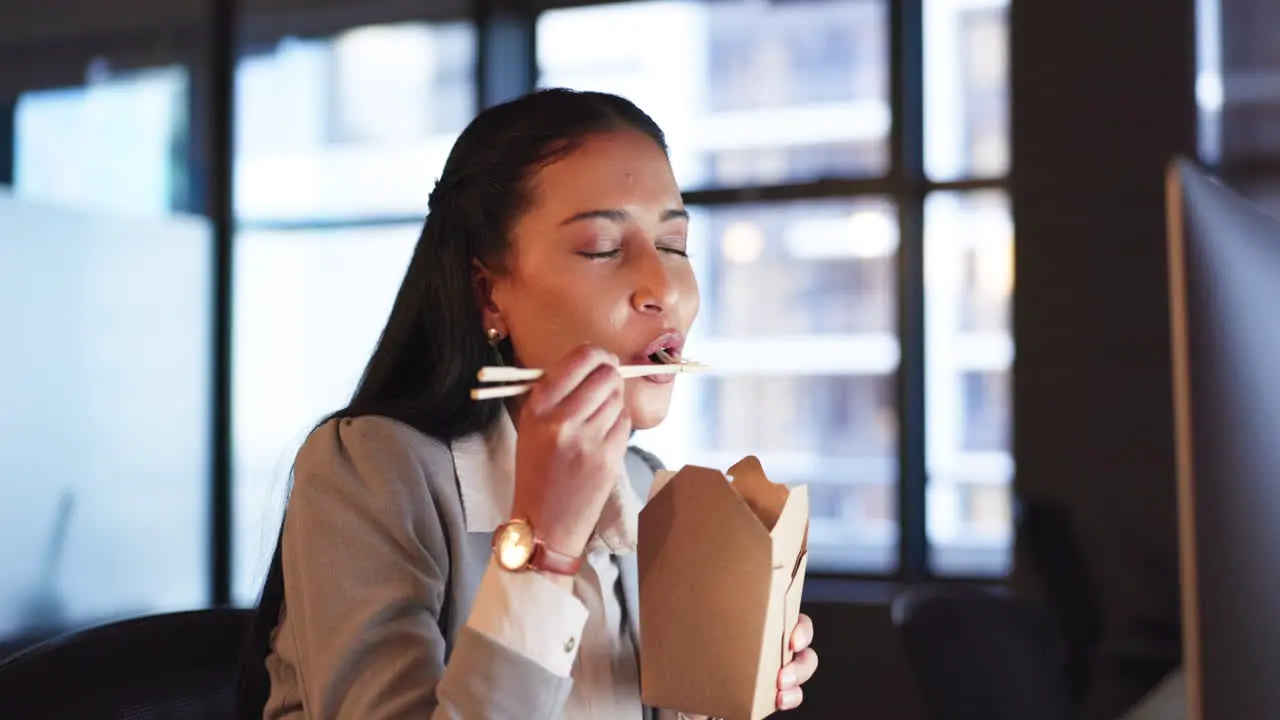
(722, 568)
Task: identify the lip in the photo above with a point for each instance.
(670, 340)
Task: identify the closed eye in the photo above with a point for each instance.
(617, 252)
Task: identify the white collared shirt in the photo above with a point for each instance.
(582, 635)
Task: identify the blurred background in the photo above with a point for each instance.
(206, 209)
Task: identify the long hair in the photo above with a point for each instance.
(433, 344)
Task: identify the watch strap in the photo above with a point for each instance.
(552, 561)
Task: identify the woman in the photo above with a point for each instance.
(556, 239)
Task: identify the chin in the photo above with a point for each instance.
(648, 406)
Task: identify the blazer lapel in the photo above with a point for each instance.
(640, 472)
(628, 575)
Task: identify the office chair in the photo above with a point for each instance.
(977, 655)
(179, 665)
(1050, 554)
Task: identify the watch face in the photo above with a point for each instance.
(514, 545)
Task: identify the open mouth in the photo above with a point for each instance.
(665, 349)
(663, 357)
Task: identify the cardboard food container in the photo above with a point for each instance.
(722, 566)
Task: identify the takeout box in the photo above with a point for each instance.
(722, 566)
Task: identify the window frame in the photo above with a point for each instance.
(506, 66)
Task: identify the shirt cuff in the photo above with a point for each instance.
(530, 615)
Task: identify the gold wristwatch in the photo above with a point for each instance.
(518, 548)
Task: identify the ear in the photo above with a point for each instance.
(482, 285)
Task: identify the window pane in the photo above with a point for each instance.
(105, 318)
(351, 126)
(1209, 89)
(968, 287)
(798, 307)
(1240, 78)
(114, 146)
(747, 92)
(966, 55)
(309, 308)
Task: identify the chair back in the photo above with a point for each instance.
(178, 665)
(979, 655)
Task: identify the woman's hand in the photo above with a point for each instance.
(797, 672)
(572, 437)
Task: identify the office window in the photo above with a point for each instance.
(968, 253)
(776, 114)
(105, 377)
(748, 93)
(115, 145)
(351, 127)
(966, 90)
(339, 143)
(968, 289)
(1237, 84)
(1210, 93)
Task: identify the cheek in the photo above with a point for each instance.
(690, 301)
(547, 320)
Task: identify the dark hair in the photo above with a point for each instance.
(433, 344)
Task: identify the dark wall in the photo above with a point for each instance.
(1103, 98)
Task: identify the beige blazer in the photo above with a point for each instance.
(374, 622)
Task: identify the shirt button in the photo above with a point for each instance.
(570, 644)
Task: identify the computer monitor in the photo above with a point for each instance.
(1224, 292)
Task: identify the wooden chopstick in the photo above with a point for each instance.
(511, 374)
(500, 391)
(503, 373)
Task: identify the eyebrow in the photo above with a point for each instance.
(621, 216)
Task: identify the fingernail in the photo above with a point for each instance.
(788, 680)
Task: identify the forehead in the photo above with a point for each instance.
(623, 170)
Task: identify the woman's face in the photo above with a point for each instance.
(600, 258)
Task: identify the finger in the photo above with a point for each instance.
(561, 380)
(802, 634)
(799, 670)
(790, 699)
(601, 422)
(620, 433)
(586, 399)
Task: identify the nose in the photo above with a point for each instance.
(656, 290)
